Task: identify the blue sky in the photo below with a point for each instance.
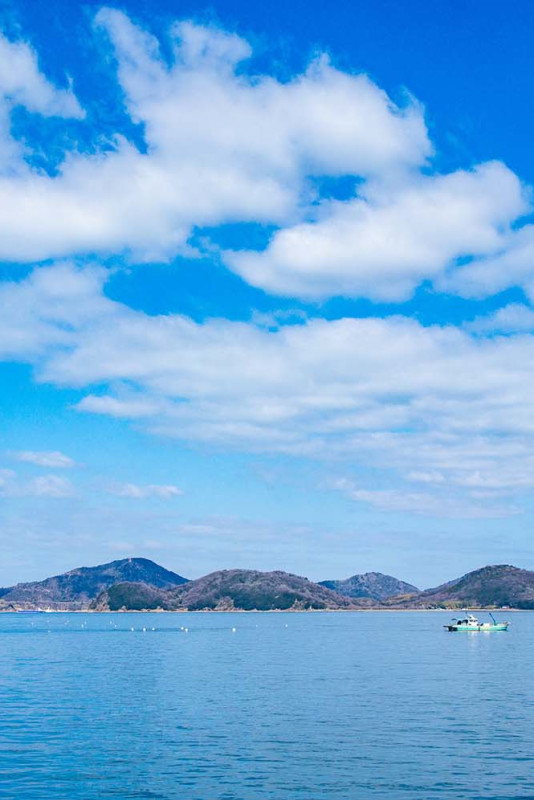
(266, 284)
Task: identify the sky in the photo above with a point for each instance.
(266, 286)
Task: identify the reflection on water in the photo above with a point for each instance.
(310, 706)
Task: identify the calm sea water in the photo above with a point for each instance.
(288, 707)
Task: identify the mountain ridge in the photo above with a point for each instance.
(227, 590)
(141, 583)
(374, 585)
(492, 586)
(78, 587)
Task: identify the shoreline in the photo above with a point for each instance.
(486, 609)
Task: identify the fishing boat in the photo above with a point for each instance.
(471, 623)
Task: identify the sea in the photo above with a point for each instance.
(264, 706)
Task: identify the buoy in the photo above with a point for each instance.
(234, 630)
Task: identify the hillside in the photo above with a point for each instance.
(493, 586)
(138, 583)
(373, 585)
(238, 589)
(77, 588)
(133, 597)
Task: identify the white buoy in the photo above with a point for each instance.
(234, 630)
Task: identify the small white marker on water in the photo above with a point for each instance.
(234, 630)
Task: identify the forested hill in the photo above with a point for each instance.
(492, 586)
(238, 589)
(138, 583)
(77, 588)
(374, 585)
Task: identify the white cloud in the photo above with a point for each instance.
(422, 503)
(383, 245)
(386, 393)
(222, 145)
(5, 476)
(43, 311)
(53, 486)
(50, 486)
(323, 122)
(426, 477)
(44, 458)
(132, 490)
(22, 84)
(511, 265)
(226, 145)
(513, 318)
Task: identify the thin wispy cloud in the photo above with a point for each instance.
(44, 458)
(427, 504)
(385, 392)
(51, 486)
(137, 492)
(43, 486)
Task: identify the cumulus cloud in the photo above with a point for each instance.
(222, 145)
(511, 265)
(44, 458)
(225, 145)
(135, 491)
(22, 84)
(513, 318)
(42, 311)
(443, 407)
(385, 393)
(383, 245)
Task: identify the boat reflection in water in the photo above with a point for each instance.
(470, 623)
